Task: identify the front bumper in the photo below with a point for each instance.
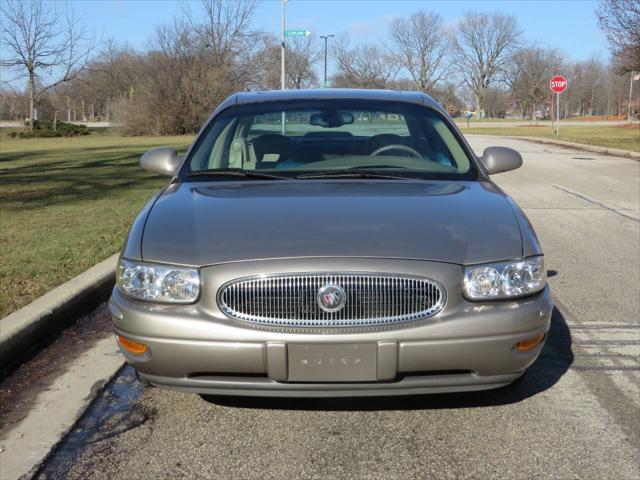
(468, 346)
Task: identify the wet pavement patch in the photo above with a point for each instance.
(19, 390)
(112, 413)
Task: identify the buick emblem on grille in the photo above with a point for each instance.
(337, 299)
(331, 298)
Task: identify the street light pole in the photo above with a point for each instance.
(325, 38)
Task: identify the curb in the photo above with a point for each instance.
(581, 146)
(33, 439)
(22, 330)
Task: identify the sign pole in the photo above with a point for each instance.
(283, 82)
(282, 56)
(558, 84)
(553, 119)
(557, 114)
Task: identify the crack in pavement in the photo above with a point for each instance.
(597, 202)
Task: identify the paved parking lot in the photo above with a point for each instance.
(576, 415)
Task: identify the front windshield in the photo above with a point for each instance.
(292, 139)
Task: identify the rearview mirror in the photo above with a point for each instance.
(501, 159)
(331, 119)
(162, 160)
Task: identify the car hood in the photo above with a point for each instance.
(207, 223)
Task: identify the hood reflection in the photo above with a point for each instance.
(329, 188)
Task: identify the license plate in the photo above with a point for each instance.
(354, 362)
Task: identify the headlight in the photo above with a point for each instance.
(158, 283)
(504, 280)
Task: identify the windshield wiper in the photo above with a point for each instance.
(350, 174)
(235, 172)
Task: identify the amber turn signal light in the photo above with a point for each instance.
(530, 343)
(131, 346)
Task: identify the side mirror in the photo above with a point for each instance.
(162, 160)
(501, 159)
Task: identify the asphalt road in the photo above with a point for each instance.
(576, 415)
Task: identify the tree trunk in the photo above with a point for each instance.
(68, 109)
(55, 120)
(32, 98)
(478, 104)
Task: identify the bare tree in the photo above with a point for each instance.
(617, 88)
(528, 76)
(446, 95)
(620, 20)
(264, 59)
(13, 104)
(422, 47)
(586, 79)
(112, 76)
(42, 46)
(222, 28)
(364, 66)
(193, 64)
(497, 102)
(95, 93)
(483, 44)
(302, 56)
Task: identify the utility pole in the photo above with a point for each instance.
(325, 38)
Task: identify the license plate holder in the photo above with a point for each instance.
(352, 362)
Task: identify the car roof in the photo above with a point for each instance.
(244, 98)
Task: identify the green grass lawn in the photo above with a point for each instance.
(472, 121)
(65, 205)
(624, 138)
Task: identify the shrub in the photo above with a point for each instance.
(44, 128)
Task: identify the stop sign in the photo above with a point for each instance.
(558, 84)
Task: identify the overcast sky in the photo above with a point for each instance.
(570, 25)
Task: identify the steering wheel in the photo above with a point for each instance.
(404, 148)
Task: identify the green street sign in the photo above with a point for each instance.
(297, 33)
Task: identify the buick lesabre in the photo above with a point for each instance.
(330, 243)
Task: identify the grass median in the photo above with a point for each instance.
(65, 205)
(621, 137)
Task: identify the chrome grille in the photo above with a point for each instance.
(291, 299)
